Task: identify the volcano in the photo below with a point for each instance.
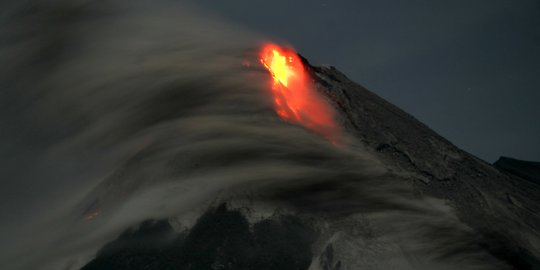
(493, 224)
(149, 135)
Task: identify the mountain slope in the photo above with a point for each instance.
(496, 205)
(499, 211)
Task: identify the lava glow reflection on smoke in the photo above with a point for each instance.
(295, 98)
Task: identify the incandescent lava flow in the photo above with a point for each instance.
(295, 98)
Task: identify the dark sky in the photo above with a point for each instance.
(468, 69)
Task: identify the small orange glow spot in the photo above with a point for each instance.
(295, 98)
(92, 215)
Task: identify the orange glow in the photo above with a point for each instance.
(295, 98)
(92, 215)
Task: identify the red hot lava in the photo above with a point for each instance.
(295, 98)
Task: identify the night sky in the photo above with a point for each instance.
(468, 69)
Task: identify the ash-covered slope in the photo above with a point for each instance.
(504, 210)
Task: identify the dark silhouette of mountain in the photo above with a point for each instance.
(221, 239)
(525, 169)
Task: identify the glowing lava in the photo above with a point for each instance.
(295, 98)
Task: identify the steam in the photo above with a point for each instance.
(120, 111)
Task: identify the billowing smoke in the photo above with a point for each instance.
(114, 112)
